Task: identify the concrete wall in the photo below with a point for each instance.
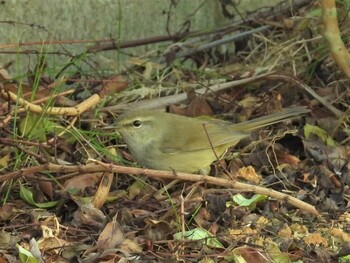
(101, 19)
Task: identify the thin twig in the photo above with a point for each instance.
(97, 166)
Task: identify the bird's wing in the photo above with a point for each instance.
(201, 137)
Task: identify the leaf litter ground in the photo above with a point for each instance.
(88, 216)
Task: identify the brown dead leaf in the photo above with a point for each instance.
(46, 187)
(286, 158)
(89, 216)
(54, 244)
(141, 213)
(80, 182)
(50, 240)
(7, 212)
(248, 173)
(198, 106)
(214, 228)
(178, 110)
(251, 254)
(130, 246)
(157, 230)
(316, 239)
(111, 236)
(113, 85)
(102, 192)
(27, 90)
(202, 217)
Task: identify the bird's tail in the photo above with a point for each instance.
(269, 119)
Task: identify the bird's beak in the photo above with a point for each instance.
(109, 127)
(115, 127)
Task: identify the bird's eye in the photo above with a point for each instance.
(136, 124)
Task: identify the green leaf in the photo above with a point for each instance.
(37, 127)
(276, 254)
(315, 12)
(27, 196)
(199, 234)
(234, 256)
(240, 200)
(347, 257)
(323, 135)
(25, 256)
